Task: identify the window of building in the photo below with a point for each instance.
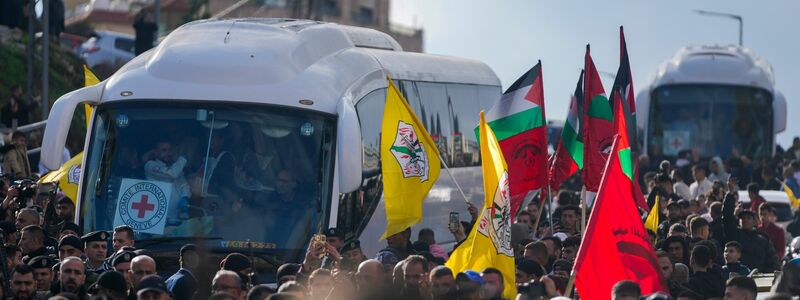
(365, 16)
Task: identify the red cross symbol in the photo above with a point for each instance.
(677, 143)
(143, 206)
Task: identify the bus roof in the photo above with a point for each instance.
(280, 61)
(716, 64)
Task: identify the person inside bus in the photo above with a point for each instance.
(164, 166)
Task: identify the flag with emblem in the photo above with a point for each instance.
(489, 242)
(568, 158)
(598, 130)
(616, 245)
(409, 163)
(518, 122)
(67, 177)
(623, 84)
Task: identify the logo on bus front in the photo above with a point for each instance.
(410, 153)
(142, 205)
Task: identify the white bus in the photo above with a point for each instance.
(712, 99)
(254, 134)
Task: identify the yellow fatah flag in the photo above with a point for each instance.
(67, 177)
(88, 80)
(652, 219)
(409, 163)
(792, 198)
(489, 242)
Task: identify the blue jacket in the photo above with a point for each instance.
(182, 285)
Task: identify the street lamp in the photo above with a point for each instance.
(725, 15)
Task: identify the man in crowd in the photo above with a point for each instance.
(741, 287)
(15, 161)
(70, 245)
(443, 284)
(183, 284)
(733, 252)
(626, 290)
(701, 184)
(775, 233)
(757, 251)
(96, 249)
(42, 271)
(335, 237)
(32, 242)
(123, 236)
(72, 277)
(568, 222)
(753, 190)
(141, 266)
(569, 248)
(415, 274)
(121, 262)
(370, 280)
(352, 256)
(493, 286)
(26, 217)
(704, 280)
(227, 282)
(23, 286)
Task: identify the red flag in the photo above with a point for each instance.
(599, 133)
(615, 245)
(518, 120)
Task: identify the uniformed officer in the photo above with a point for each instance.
(121, 262)
(95, 247)
(352, 255)
(42, 271)
(70, 245)
(335, 237)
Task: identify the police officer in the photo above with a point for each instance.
(352, 256)
(335, 237)
(121, 262)
(70, 245)
(96, 250)
(42, 272)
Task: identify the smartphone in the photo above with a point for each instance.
(453, 225)
(318, 241)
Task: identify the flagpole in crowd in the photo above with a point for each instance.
(458, 186)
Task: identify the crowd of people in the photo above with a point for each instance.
(709, 244)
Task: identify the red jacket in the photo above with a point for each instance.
(777, 236)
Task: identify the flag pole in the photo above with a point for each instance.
(539, 217)
(550, 208)
(583, 210)
(458, 186)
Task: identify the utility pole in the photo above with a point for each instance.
(30, 47)
(45, 58)
(726, 15)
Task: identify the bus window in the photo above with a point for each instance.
(464, 98)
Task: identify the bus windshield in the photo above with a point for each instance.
(716, 120)
(243, 174)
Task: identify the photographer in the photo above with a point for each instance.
(17, 198)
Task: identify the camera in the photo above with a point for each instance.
(26, 189)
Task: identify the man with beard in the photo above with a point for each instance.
(71, 278)
(415, 273)
(443, 284)
(23, 286)
(42, 271)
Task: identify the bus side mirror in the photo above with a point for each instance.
(779, 111)
(348, 148)
(55, 132)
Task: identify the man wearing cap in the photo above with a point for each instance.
(152, 287)
(96, 250)
(42, 271)
(32, 242)
(71, 278)
(335, 237)
(757, 251)
(121, 262)
(352, 255)
(70, 245)
(183, 284)
(111, 284)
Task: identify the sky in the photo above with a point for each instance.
(511, 35)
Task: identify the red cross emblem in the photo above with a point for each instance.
(143, 207)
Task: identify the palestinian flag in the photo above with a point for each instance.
(599, 131)
(622, 91)
(568, 158)
(518, 121)
(623, 84)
